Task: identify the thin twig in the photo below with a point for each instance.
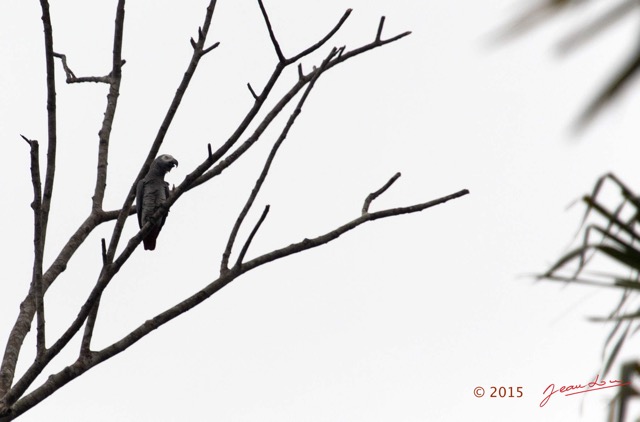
(274, 40)
(253, 93)
(324, 39)
(198, 46)
(380, 26)
(103, 244)
(209, 49)
(372, 196)
(247, 243)
(72, 78)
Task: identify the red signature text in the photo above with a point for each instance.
(569, 390)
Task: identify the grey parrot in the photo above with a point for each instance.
(151, 192)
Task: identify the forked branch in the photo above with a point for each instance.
(73, 79)
(29, 306)
(328, 237)
(372, 196)
(337, 59)
(267, 165)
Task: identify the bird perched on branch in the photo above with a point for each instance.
(151, 192)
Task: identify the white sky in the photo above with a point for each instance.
(399, 320)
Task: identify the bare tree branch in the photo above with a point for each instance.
(109, 115)
(209, 49)
(380, 26)
(253, 93)
(372, 196)
(255, 136)
(328, 237)
(72, 78)
(269, 161)
(59, 264)
(324, 39)
(51, 119)
(251, 114)
(247, 243)
(85, 345)
(231, 158)
(81, 366)
(274, 41)
(103, 244)
(23, 323)
(19, 388)
(106, 275)
(36, 278)
(113, 214)
(103, 154)
(162, 131)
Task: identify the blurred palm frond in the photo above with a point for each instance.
(610, 234)
(618, 405)
(608, 255)
(544, 10)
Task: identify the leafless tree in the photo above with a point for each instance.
(14, 399)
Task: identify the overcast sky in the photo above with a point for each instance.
(397, 321)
